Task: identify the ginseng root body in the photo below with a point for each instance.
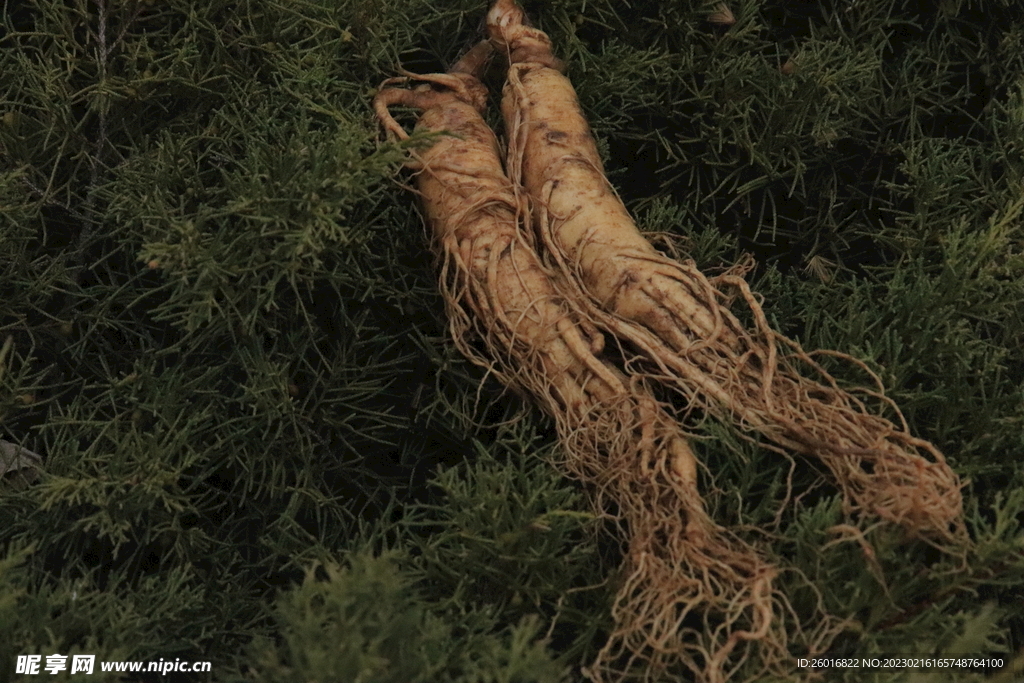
(681, 321)
(681, 571)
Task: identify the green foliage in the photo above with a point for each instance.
(219, 326)
(364, 623)
(510, 538)
(507, 554)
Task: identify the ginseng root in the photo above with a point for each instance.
(690, 586)
(681, 322)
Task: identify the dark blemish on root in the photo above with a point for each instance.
(556, 135)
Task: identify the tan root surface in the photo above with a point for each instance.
(690, 588)
(681, 322)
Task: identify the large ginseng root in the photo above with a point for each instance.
(690, 587)
(680, 320)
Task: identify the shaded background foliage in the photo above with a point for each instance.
(226, 343)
